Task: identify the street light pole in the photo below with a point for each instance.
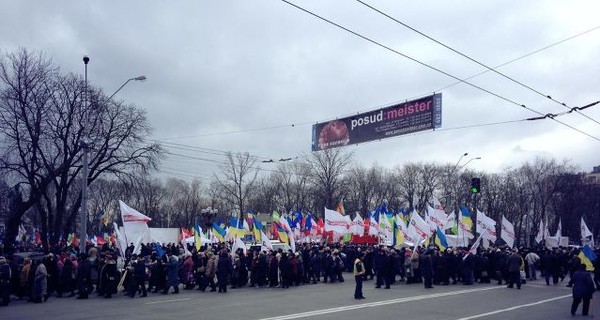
(85, 146)
(457, 162)
(86, 149)
(475, 158)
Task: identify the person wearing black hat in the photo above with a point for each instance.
(84, 275)
(109, 276)
(359, 274)
(426, 267)
(138, 267)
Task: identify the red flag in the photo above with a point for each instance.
(185, 233)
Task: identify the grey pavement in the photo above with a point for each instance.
(321, 301)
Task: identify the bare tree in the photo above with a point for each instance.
(45, 124)
(327, 171)
(237, 180)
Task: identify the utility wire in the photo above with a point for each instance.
(477, 61)
(430, 66)
(162, 140)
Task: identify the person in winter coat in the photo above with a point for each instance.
(172, 270)
(138, 267)
(40, 285)
(224, 270)
(515, 264)
(109, 276)
(274, 270)
(24, 276)
(187, 271)
(84, 276)
(583, 289)
(211, 270)
(5, 276)
(426, 266)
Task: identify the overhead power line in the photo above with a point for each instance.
(494, 70)
(432, 67)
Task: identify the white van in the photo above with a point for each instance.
(276, 244)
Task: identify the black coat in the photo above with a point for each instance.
(583, 285)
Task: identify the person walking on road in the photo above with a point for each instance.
(359, 273)
(583, 289)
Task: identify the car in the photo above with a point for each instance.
(276, 244)
(35, 257)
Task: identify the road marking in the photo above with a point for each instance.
(167, 301)
(513, 308)
(375, 304)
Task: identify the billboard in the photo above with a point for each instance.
(407, 117)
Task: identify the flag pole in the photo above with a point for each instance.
(476, 242)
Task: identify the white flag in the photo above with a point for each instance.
(334, 221)
(559, 230)
(418, 228)
(587, 237)
(265, 242)
(475, 245)
(486, 226)
(358, 225)
(508, 232)
(436, 218)
(540, 235)
(450, 221)
(135, 224)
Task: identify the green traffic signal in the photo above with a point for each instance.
(475, 185)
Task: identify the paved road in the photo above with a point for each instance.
(320, 301)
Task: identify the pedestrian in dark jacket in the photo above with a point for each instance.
(109, 276)
(583, 289)
(426, 266)
(172, 270)
(515, 263)
(138, 268)
(5, 276)
(84, 276)
(224, 270)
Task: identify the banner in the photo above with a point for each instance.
(135, 224)
(485, 223)
(418, 228)
(335, 222)
(407, 117)
(508, 232)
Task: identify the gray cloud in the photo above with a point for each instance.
(217, 67)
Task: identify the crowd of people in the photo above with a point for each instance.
(169, 268)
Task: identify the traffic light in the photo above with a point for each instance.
(475, 185)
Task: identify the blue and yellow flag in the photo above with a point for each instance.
(283, 236)
(197, 237)
(440, 239)
(218, 232)
(587, 257)
(466, 217)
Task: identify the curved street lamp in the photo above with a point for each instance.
(86, 150)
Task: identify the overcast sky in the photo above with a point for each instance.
(256, 75)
